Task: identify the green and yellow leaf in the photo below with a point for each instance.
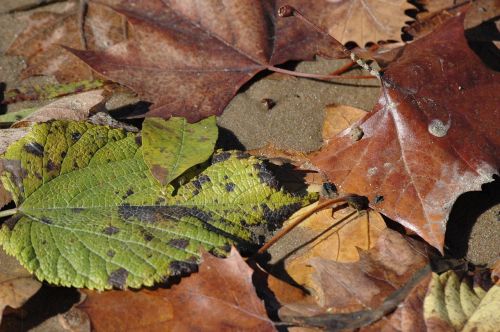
(92, 214)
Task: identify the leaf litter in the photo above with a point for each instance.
(409, 311)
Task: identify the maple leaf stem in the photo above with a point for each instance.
(7, 213)
(321, 206)
(317, 76)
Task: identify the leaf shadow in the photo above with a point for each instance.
(480, 39)
(464, 214)
(47, 302)
(3, 107)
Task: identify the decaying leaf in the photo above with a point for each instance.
(360, 21)
(452, 304)
(76, 107)
(190, 57)
(91, 214)
(185, 145)
(16, 284)
(40, 43)
(220, 297)
(432, 136)
(50, 91)
(337, 236)
(352, 295)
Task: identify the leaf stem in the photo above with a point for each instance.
(6, 213)
(296, 222)
(317, 76)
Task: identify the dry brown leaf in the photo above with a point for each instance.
(75, 107)
(190, 57)
(409, 314)
(335, 238)
(357, 294)
(16, 284)
(432, 136)
(338, 118)
(40, 42)
(220, 297)
(360, 21)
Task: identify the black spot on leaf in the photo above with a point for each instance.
(75, 136)
(46, 221)
(111, 230)
(275, 217)
(63, 154)
(138, 140)
(230, 187)
(147, 236)
(51, 166)
(179, 243)
(34, 148)
(220, 157)
(118, 278)
(266, 177)
(128, 193)
(200, 181)
(180, 268)
(111, 253)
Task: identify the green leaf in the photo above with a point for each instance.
(171, 147)
(91, 214)
(16, 116)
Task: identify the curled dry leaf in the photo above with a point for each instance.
(360, 21)
(40, 42)
(452, 304)
(432, 136)
(223, 45)
(220, 297)
(357, 294)
(76, 107)
(16, 284)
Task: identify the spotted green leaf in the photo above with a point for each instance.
(171, 147)
(91, 214)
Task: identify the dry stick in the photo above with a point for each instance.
(300, 219)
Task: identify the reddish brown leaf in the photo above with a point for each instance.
(360, 21)
(432, 136)
(220, 297)
(357, 294)
(190, 57)
(40, 42)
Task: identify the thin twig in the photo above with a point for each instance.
(296, 222)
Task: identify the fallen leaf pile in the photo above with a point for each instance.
(138, 212)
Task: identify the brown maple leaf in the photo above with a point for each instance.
(432, 136)
(360, 21)
(220, 297)
(40, 42)
(190, 57)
